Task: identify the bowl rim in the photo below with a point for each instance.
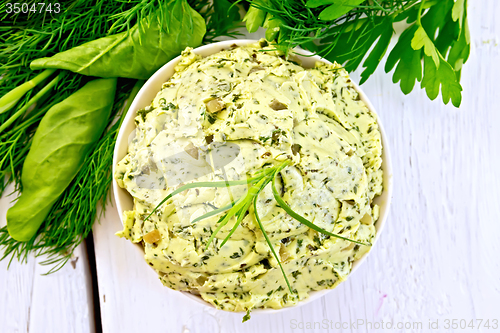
(384, 199)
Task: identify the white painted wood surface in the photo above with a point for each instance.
(32, 302)
(436, 260)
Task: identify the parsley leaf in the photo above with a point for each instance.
(378, 51)
(409, 68)
(460, 49)
(458, 12)
(335, 10)
(272, 25)
(365, 32)
(434, 34)
(420, 39)
(443, 76)
(254, 19)
(355, 32)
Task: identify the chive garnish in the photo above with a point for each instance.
(239, 208)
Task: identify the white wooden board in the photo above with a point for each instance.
(32, 302)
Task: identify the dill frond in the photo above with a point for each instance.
(74, 213)
(28, 36)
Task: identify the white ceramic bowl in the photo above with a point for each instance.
(148, 92)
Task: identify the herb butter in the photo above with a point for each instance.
(225, 117)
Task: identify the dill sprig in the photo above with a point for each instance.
(222, 18)
(28, 36)
(239, 209)
(72, 216)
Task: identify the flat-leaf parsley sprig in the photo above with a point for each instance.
(358, 32)
(240, 207)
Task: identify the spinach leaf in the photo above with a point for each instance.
(64, 137)
(138, 53)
